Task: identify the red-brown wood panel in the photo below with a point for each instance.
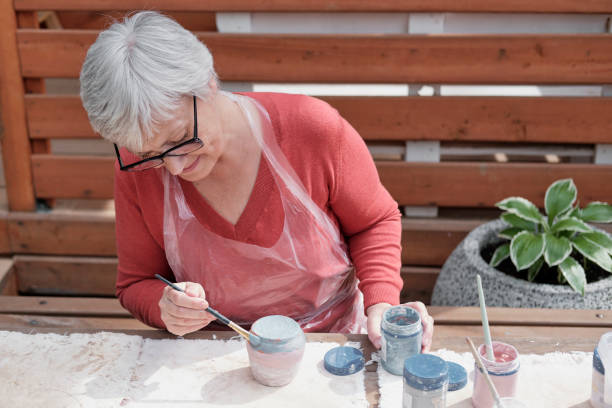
(68, 276)
(15, 143)
(73, 176)
(540, 6)
(484, 184)
(459, 59)
(62, 234)
(96, 20)
(447, 184)
(491, 119)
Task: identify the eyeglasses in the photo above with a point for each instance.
(181, 149)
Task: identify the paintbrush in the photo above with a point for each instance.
(485, 321)
(243, 332)
(485, 373)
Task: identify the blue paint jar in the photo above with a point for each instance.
(401, 332)
(425, 382)
(276, 356)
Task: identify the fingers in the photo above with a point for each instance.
(428, 325)
(193, 297)
(375, 313)
(184, 313)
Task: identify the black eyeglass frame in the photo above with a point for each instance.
(160, 157)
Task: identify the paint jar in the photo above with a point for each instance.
(598, 388)
(503, 372)
(401, 332)
(425, 382)
(276, 356)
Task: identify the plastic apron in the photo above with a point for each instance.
(306, 275)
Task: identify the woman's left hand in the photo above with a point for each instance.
(376, 311)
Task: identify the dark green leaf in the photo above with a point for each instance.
(525, 249)
(559, 198)
(518, 222)
(600, 238)
(501, 253)
(592, 251)
(535, 269)
(521, 207)
(571, 224)
(509, 233)
(597, 212)
(557, 249)
(574, 274)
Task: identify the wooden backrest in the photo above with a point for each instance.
(32, 118)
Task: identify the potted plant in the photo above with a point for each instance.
(528, 259)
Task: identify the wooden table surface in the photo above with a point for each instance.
(535, 331)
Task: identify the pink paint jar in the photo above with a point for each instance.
(275, 355)
(503, 372)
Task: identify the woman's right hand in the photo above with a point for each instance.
(184, 312)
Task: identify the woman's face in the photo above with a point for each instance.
(196, 165)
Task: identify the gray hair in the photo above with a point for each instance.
(136, 73)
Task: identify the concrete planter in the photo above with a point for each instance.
(456, 284)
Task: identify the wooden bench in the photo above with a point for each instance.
(71, 253)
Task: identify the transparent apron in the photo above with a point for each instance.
(306, 275)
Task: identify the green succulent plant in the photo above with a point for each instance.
(536, 239)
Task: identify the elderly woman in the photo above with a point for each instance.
(256, 203)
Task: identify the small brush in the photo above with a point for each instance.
(243, 332)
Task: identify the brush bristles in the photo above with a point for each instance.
(239, 330)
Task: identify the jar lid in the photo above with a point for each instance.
(425, 372)
(457, 376)
(344, 360)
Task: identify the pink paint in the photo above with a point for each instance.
(276, 353)
(275, 369)
(503, 372)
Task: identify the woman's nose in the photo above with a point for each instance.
(175, 164)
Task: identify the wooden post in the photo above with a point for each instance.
(16, 153)
(29, 19)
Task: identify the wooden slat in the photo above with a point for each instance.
(418, 283)
(94, 20)
(484, 184)
(518, 6)
(522, 317)
(62, 234)
(62, 306)
(74, 276)
(424, 241)
(57, 116)
(530, 339)
(73, 176)
(5, 246)
(29, 322)
(476, 59)
(430, 242)
(475, 119)
(549, 339)
(8, 279)
(447, 184)
(491, 119)
(15, 143)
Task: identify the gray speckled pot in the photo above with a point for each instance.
(456, 284)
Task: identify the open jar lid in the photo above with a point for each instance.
(344, 360)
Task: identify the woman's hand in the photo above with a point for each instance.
(375, 313)
(184, 312)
